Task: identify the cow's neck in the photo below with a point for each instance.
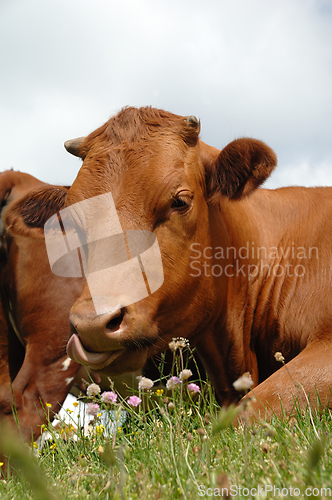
(282, 249)
(259, 300)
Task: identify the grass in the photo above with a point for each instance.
(180, 446)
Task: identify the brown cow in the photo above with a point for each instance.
(246, 270)
(34, 304)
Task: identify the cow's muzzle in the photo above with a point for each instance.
(95, 360)
(96, 339)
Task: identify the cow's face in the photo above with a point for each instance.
(165, 181)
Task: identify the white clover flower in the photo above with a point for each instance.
(185, 374)
(178, 343)
(109, 397)
(145, 383)
(279, 357)
(173, 382)
(243, 383)
(173, 346)
(93, 390)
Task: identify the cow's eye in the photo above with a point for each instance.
(179, 204)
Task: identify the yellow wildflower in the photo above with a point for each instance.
(49, 405)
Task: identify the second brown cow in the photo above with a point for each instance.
(35, 369)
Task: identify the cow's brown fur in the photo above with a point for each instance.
(144, 158)
(38, 303)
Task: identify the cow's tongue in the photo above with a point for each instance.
(95, 360)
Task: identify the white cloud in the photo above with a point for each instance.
(247, 67)
(301, 174)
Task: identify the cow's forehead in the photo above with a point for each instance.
(131, 125)
(140, 183)
(152, 158)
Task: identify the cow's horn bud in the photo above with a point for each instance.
(73, 146)
(192, 121)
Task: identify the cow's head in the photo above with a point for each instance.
(163, 179)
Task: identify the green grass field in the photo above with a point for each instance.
(175, 444)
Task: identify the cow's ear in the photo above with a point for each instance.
(238, 169)
(39, 205)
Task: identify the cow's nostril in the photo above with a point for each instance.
(116, 321)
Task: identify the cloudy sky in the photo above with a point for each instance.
(245, 67)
